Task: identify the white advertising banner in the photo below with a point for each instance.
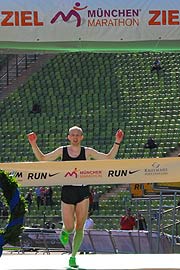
(89, 21)
(95, 172)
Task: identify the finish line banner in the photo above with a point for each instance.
(95, 172)
(87, 24)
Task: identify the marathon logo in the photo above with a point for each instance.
(83, 174)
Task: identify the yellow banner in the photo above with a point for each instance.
(144, 190)
(137, 190)
(95, 172)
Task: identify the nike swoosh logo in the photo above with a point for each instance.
(131, 172)
(53, 174)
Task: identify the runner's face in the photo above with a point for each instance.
(75, 137)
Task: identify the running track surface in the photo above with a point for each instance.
(90, 261)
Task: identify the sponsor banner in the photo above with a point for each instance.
(84, 21)
(95, 172)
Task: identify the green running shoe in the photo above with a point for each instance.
(72, 262)
(64, 238)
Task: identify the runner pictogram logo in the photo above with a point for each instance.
(72, 174)
(73, 12)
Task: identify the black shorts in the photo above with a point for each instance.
(74, 194)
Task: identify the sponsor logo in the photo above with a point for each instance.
(74, 12)
(53, 174)
(132, 172)
(120, 173)
(83, 173)
(156, 165)
(156, 169)
(32, 175)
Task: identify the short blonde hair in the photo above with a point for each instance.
(76, 128)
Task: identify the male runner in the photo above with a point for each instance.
(74, 198)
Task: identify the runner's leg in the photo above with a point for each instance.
(68, 217)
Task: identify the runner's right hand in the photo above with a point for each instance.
(32, 137)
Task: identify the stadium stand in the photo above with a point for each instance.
(101, 93)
